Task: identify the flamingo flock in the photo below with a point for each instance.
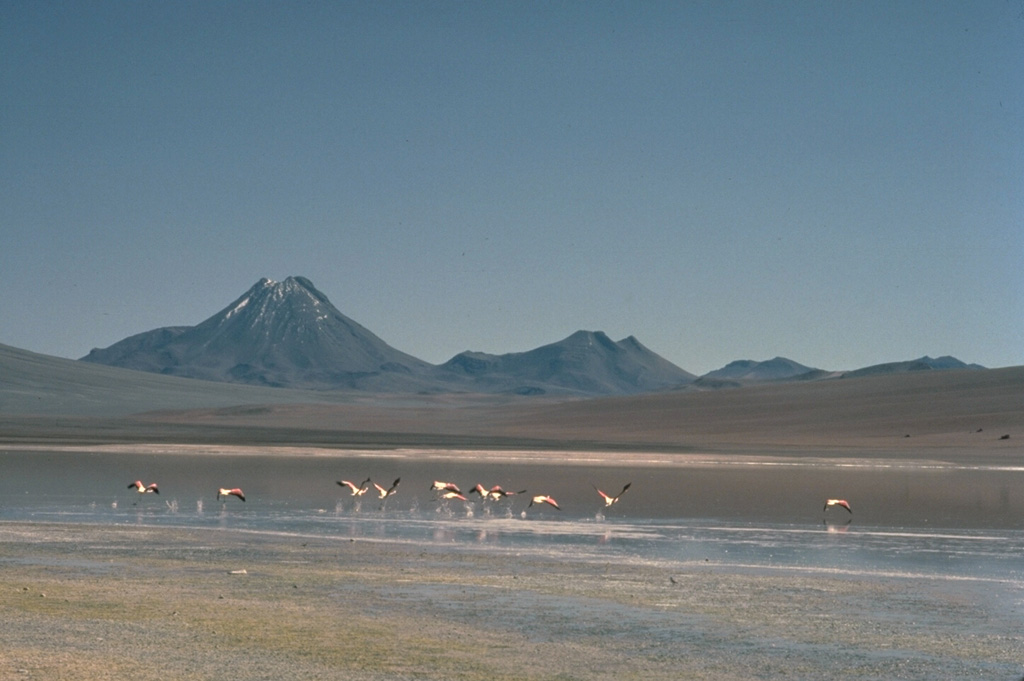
(444, 491)
(447, 491)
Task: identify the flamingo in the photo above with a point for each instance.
(501, 494)
(224, 492)
(544, 499)
(357, 491)
(609, 500)
(481, 490)
(838, 502)
(144, 489)
(385, 493)
(440, 486)
(495, 493)
(449, 494)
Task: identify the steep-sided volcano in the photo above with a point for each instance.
(277, 334)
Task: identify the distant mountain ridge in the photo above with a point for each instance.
(587, 362)
(925, 363)
(774, 369)
(288, 335)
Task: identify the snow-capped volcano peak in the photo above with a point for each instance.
(275, 303)
(277, 333)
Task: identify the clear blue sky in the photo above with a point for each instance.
(841, 183)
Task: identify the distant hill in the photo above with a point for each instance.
(775, 369)
(745, 372)
(288, 334)
(38, 385)
(587, 362)
(955, 413)
(922, 364)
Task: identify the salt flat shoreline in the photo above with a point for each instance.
(111, 602)
(936, 459)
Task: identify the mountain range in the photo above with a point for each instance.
(288, 335)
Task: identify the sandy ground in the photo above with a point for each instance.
(91, 602)
(966, 416)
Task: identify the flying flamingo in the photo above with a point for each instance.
(385, 493)
(357, 491)
(224, 492)
(838, 502)
(144, 489)
(609, 500)
(440, 486)
(481, 490)
(449, 494)
(498, 493)
(495, 493)
(544, 499)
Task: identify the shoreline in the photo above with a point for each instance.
(597, 457)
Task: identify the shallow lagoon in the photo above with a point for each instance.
(883, 493)
(927, 518)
